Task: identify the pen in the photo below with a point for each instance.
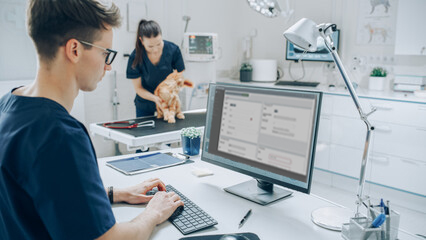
(186, 156)
(244, 219)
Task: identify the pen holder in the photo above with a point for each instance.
(391, 224)
(359, 227)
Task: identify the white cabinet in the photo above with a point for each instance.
(347, 161)
(410, 30)
(398, 149)
(322, 153)
(400, 140)
(398, 172)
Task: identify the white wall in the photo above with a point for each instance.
(232, 20)
(17, 54)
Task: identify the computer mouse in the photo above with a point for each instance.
(233, 237)
(177, 212)
(152, 192)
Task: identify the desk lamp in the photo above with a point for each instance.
(305, 34)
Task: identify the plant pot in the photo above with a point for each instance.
(245, 76)
(377, 83)
(191, 146)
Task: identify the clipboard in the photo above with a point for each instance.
(145, 163)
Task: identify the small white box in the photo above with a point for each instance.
(410, 79)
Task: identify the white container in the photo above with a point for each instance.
(264, 69)
(377, 83)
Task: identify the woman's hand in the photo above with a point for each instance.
(137, 193)
(158, 101)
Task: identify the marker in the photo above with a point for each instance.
(378, 221)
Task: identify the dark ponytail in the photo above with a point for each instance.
(147, 29)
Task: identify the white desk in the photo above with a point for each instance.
(285, 219)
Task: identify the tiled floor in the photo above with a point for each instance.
(343, 191)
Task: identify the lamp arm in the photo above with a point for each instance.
(370, 128)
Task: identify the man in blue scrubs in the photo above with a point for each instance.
(149, 64)
(50, 187)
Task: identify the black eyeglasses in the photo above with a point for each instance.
(110, 53)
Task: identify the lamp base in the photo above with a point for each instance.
(331, 218)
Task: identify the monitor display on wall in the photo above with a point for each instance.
(294, 53)
(200, 47)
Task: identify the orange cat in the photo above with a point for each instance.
(168, 91)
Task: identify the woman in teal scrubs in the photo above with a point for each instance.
(149, 64)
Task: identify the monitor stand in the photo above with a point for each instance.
(258, 191)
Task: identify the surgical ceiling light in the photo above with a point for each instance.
(305, 34)
(268, 8)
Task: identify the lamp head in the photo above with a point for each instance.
(303, 34)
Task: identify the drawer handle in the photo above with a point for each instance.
(417, 163)
(382, 106)
(379, 159)
(383, 128)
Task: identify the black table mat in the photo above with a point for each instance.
(197, 119)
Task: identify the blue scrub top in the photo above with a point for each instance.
(151, 76)
(50, 185)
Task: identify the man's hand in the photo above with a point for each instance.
(136, 194)
(161, 207)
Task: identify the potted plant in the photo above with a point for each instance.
(377, 79)
(191, 140)
(246, 71)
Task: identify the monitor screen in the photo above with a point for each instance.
(200, 47)
(267, 133)
(200, 44)
(321, 55)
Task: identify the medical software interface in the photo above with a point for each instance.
(271, 129)
(200, 44)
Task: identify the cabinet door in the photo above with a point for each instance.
(327, 105)
(400, 140)
(409, 114)
(322, 156)
(347, 161)
(322, 153)
(345, 106)
(402, 173)
(410, 30)
(348, 132)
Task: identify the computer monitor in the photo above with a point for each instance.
(321, 55)
(200, 47)
(267, 133)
